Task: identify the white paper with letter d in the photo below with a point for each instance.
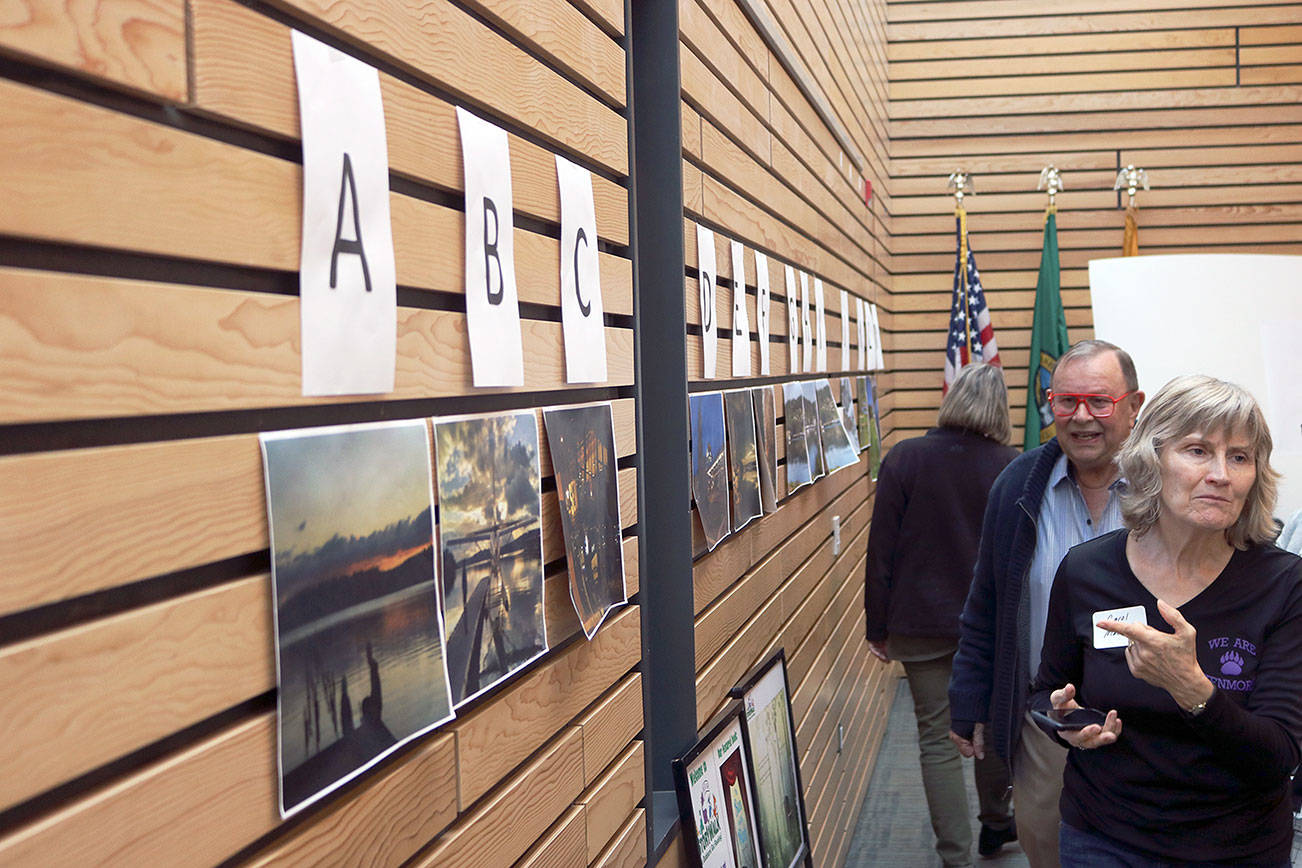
(347, 288)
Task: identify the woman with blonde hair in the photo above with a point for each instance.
(1187, 625)
(931, 496)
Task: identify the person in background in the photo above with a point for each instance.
(1204, 661)
(931, 492)
(1045, 502)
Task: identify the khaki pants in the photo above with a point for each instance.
(1037, 785)
(942, 766)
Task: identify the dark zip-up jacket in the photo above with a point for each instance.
(990, 682)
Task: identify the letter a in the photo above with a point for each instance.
(348, 185)
(491, 256)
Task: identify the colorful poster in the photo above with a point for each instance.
(848, 418)
(793, 410)
(743, 463)
(718, 790)
(490, 537)
(837, 450)
(709, 465)
(813, 429)
(347, 285)
(582, 314)
(582, 445)
(783, 829)
(359, 637)
(766, 440)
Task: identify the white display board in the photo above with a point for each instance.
(1232, 316)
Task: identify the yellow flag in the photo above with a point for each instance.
(1130, 245)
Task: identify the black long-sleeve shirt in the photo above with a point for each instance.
(1211, 788)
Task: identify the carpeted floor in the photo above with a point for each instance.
(893, 827)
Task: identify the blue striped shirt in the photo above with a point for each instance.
(1064, 521)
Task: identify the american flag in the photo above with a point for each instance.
(971, 336)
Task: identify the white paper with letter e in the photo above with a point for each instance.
(1107, 638)
(492, 305)
(762, 310)
(582, 315)
(347, 287)
(707, 270)
(740, 318)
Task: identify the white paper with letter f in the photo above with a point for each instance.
(492, 305)
(347, 287)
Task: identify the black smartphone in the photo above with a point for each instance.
(1069, 718)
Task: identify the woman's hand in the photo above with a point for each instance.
(1091, 736)
(879, 651)
(1166, 660)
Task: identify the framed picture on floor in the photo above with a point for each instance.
(768, 730)
(716, 799)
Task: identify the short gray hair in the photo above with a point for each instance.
(977, 400)
(1185, 405)
(1090, 348)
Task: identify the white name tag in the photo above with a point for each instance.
(1109, 639)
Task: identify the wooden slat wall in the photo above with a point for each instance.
(762, 167)
(149, 248)
(1206, 95)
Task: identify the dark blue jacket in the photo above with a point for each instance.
(990, 681)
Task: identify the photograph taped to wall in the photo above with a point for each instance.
(360, 665)
(581, 440)
(583, 318)
(766, 440)
(709, 465)
(793, 322)
(743, 457)
(870, 430)
(347, 286)
(716, 796)
(492, 304)
(707, 271)
(740, 318)
(848, 417)
(837, 450)
(797, 460)
(813, 429)
(768, 728)
(763, 310)
(490, 547)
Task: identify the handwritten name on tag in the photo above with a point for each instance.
(1108, 638)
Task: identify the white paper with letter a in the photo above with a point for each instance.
(762, 309)
(705, 265)
(347, 288)
(793, 322)
(492, 305)
(820, 311)
(740, 319)
(845, 330)
(582, 316)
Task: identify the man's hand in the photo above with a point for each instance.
(1091, 736)
(976, 747)
(878, 650)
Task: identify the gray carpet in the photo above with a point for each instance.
(894, 829)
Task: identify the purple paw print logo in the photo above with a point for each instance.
(1231, 663)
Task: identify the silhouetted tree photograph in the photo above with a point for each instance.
(709, 465)
(743, 463)
(766, 436)
(359, 645)
(490, 544)
(813, 428)
(793, 409)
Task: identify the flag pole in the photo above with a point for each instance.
(960, 181)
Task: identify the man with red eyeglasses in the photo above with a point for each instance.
(1046, 501)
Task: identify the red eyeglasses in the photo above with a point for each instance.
(1064, 404)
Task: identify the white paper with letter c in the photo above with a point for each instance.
(763, 301)
(492, 305)
(806, 329)
(582, 315)
(347, 286)
(845, 330)
(793, 322)
(820, 311)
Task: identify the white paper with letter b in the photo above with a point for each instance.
(492, 305)
(707, 271)
(347, 287)
(1107, 638)
(740, 318)
(582, 315)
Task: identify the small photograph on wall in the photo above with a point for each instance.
(837, 450)
(716, 797)
(743, 461)
(870, 429)
(359, 642)
(768, 728)
(848, 418)
(766, 439)
(490, 547)
(793, 409)
(582, 444)
(709, 465)
(813, 437)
